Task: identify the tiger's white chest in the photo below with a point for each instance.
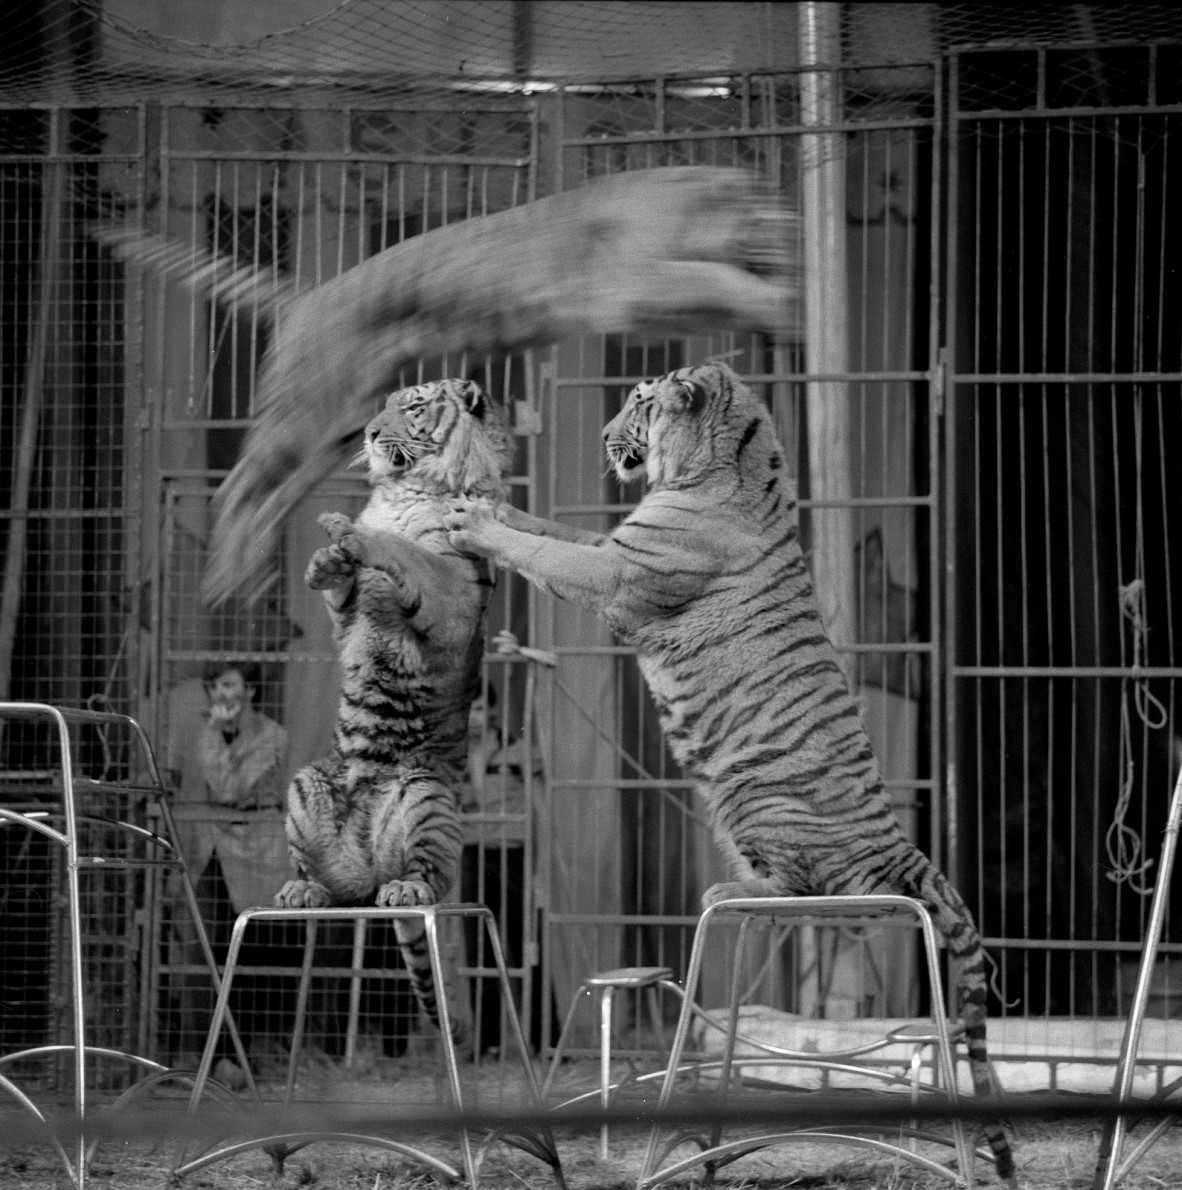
(395, 509)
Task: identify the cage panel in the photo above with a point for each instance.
(1063, 403)
(1012, 612)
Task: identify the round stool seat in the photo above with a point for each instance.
(628, 977)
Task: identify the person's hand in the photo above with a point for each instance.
(223, 715)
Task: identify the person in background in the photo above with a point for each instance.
(242, 753)
(229, 803)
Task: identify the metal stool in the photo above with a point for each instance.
(714, 1153)
(607, 983)
(56, 805)
(539, 1143)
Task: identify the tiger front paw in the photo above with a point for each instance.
(330, 566)
(335, 524)
(468, 525)
(397, 894)
(302, 894)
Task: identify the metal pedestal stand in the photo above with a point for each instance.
(713, 1152)
(606, 984)
(538, 1143)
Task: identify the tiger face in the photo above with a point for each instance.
(447, 432)
(625, 437)
(416, 422)
(676, 426)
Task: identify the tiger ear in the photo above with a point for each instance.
(473, 397)
(688, 397)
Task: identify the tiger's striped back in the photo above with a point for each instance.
(752, 698)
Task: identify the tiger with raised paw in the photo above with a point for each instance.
(706, 579)
(377, 820)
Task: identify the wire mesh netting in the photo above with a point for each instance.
(1005, 180)
(87, 52)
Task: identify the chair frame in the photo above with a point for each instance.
(713, 1152)
(164, 854)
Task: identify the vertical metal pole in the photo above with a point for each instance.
(156, 402)
(356, 962)
(136, 423)
(950, 689)
(301, 1011)
(51, 230)
(826, 317)
(1108, 1157)
(606, 996)
(74, 910)
(937, 398)
(822, 193)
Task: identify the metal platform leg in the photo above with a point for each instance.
(539, 1143)
(714, 1152)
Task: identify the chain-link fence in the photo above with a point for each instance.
(999, 523)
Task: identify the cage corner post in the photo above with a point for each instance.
(826, 321)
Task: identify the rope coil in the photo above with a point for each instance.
(1123, 843)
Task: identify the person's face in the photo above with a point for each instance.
(228, 690)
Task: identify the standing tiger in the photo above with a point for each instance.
(706, 579)
(378, 819)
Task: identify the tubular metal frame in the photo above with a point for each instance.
(606, 984)
(538, 1144)
(714, 1152)
(168, 856)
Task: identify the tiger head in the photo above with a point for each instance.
(447, 432)
(688, 422)
(625, 437)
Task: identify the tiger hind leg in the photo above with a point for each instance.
(327, 866)
(417, 836)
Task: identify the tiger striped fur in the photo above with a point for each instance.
(707, 580)
(378, 819)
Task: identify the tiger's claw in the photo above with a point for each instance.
(467, 523)
(302, 894)
(397, 894)
(329, 567)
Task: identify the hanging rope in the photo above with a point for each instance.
(1132, 606)
(1122, 841)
